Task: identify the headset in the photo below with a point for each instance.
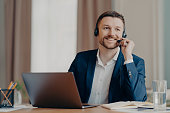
(96, 31)
(124, 35)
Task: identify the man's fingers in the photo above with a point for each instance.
(124, 43)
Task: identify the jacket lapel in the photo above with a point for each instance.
(90, 72)
(118, 65)
(116, 74)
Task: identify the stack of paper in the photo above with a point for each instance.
(128, 104)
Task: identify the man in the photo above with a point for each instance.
(110, 73)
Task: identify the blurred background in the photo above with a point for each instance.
(45, 35)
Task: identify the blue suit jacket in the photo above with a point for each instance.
(127, 82)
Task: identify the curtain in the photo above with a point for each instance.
(2, 46)
(88, 12)
(17, 38)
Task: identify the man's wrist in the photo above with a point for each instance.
(128, 59)
(128, 56)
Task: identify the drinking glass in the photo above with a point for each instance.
(159, 94)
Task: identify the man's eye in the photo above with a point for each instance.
(117, 29)
(106, 28)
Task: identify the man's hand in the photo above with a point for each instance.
(127, 48)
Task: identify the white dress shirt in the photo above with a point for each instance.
(101, 80)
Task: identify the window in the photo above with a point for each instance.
(54, 34)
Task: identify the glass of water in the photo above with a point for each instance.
(159, 94)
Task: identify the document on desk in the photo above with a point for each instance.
(127, 105)
(18, 107)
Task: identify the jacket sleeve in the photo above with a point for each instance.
(134, 83)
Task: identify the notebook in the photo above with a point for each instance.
(127, 105)
(53, 90)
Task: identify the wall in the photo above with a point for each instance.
(54, 33)
(144, 27)
(2, 45)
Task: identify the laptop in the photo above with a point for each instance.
(53, 90)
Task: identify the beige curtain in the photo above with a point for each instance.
(88, 12)
(17, 37)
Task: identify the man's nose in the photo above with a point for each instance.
(112, 32)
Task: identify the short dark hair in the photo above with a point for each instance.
(108, 14)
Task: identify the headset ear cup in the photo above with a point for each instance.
(124, 34)
(96, 32)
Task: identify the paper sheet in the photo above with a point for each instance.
(15, 108)
(127, 104)
(142, 110)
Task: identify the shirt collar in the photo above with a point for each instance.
(109, 62)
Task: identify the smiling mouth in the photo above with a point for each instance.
(110, 39)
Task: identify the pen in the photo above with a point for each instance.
(10, 85)
(13, 87)
(6, 97)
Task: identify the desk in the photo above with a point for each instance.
(87, 110)
(53, 110)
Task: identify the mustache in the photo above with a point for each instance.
(110, 36)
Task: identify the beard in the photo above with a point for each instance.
(107, 45)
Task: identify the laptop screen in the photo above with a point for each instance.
(54, 90)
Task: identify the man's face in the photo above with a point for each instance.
(110, 30)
